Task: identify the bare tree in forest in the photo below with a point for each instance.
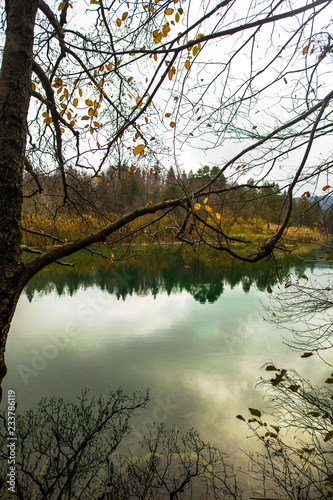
(85, 90)
(302, 306)
(73, 450)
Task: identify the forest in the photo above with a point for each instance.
(122, 188)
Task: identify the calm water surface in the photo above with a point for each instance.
(195, 337)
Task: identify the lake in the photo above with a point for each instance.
(190, 328)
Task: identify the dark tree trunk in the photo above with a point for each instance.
(15, 84)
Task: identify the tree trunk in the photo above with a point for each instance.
(15, 85)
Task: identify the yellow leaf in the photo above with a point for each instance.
(187, 64)
(58, 82)
(172, 124)
(88, 102)
(209, 209)
(80, 92)
(187, 267)
(94, 2)
(325, 188)
(151, 170)
(124, 16)
(98, 145)
(133, 168)
(97, 125)
(196, 206)
(48, 120)
(138, 150)
(109, 66)
(66, 93)
(305, 51)
(45, 114)
(98, 180)
(205, 201)
(85, 117)
(75, 102)
(166, 29)
(62, 6)
(146, 119)
(90, 111)
(218, 216)
(170, 74)
(33, 86)
(168, 12)
(130, 79)
(118, 22)
(138, 101)
(62, 130)
(72, 123)
(157, 35)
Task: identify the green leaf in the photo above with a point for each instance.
(328, 436)
(307, 354)
(271, 368)
(195, 50)
(329, 380)
(269, 290)
(255, 412)
(276, 428)
(240, 417)
(177, 17)
(314, 413)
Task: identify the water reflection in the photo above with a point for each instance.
(170, 271)
(194, 336)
